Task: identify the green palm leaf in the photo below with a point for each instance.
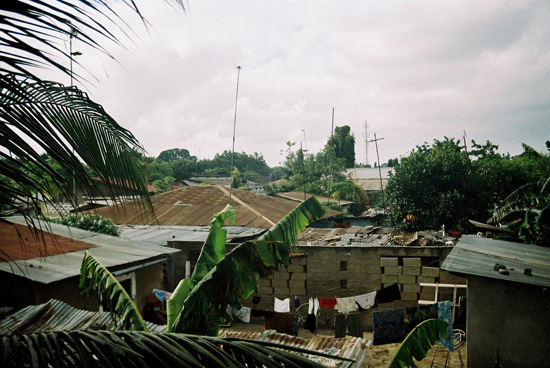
(112, 296)
(212, 252)
(144, 349)
(235, 277)
(59, 120)
(418, 342)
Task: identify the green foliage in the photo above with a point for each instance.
(162, 186)
(91, 222)
(437, 185)
(91, 348)
(112, 296)
(347, 190)
(235, 178)
(343, 144)
(174, 154)
(526, 211)
(418, 342)
(212, 252)
(234, 278)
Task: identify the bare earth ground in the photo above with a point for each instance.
(378, 356)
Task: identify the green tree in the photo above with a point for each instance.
(91, 222)
(174, 154)
(235, 178)
(436, 185)
(343, 143)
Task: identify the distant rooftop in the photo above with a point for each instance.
(356, 236)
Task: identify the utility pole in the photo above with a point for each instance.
(375, 140)
(330, 160)
(366, 135)
(234, 126)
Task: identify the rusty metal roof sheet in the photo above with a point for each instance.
(350, 347)
(299, 196)
(477, 256)
(195, 206)
(109, 250)
(160, 235)
(356, 236)
(56, 315)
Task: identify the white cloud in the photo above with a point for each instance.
(415, 70)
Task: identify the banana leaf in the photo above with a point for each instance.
(235, 277)
(212, 252)
(145, 349)
(112, 296)
(418, 342)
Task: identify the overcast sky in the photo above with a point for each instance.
(414, 70)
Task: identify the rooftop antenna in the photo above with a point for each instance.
(375, 140)
(330, 161)
(305, 142)
(366, 135)
(465, 147)
(234, 126)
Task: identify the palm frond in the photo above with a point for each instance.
(31, 31)
(112, 296)
(59, 120)
(418, 342)
(144, 349)
(212, 252)
(235, 277)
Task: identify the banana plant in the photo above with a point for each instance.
(234, 278)
(145, 349)
(418, 342)
(112, 296)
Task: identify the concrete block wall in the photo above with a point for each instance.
(329, 272)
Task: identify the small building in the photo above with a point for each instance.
(45, 264)
(370, 179)
(301, 196)
(508, 301)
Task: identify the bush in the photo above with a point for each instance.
(90, 222)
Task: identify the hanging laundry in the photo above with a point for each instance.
(340, 325)
(257, 313)
(348, 324)
(329, 303)
(162, 295)
(388, 294)
(282, 306)
(416, 315)
(444, 313)
(280, 322)
(346, 305)
(256, 299)
(295, 324)
(296, 302)
(243, 314)
(311, 319)
(388, 326)
(366, 301)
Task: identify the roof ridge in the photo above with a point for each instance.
(242, 203)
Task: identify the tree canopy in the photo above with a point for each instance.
(343, 144)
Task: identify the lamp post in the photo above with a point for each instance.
(234, 127)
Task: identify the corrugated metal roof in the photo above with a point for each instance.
(478, 256)
(195, 206)
(109, 250)
(299, 196)
(160, 235)
(371, 185)
(369, 172)
(356, 236)
(350, 347)
(56, 315)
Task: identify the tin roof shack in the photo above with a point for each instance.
(339, 262)
(508, 300)
(49, 268)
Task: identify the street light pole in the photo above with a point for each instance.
(234, 127)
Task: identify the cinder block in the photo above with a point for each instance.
(298, 261)
(265, 290)
(409, 296)
(414, 271)
(425, 279)
(389, 262)
(430, 271)
(298, 276)
(298, 291)
(281, 275)
(412, 262)
(411, 288)
(426, 296)
(407, 279)
(264, 282)
(279, 283)
(281, 292)
(393, 270)
(269, 277)
(295, 268)
(389, 279)
(297, 284)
